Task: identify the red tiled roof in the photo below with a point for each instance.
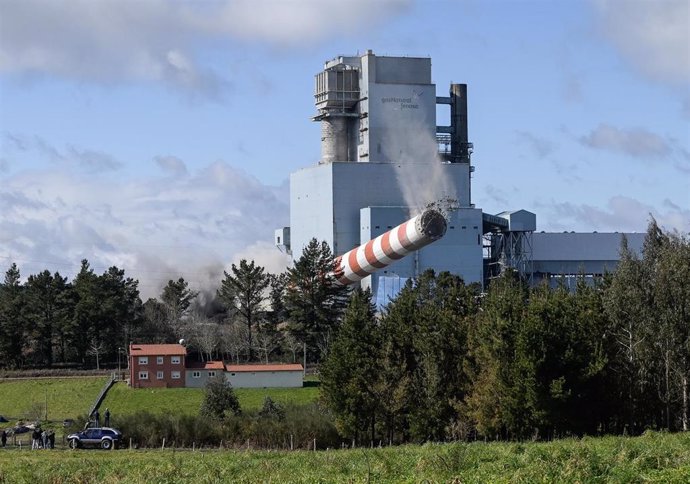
(206, 365)
(157, 350)
(241, 368)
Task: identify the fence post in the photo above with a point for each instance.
(163, 447)
(314, 445)
(291, 445)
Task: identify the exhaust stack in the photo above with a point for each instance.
(362, 261)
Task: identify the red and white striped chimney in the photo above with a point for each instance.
(419, 231)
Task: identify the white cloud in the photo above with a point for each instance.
(636, 142)
(654, 36)
(155, 228)
(111, 41)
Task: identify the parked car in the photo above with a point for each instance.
(103, 437)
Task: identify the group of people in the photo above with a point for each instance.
(42, 439)
(96, 419)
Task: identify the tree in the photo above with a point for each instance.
(628, 307)
(121, 311)
(349, 372)
(313, 303)
(96, 348)
(87, 310)
(424, 355)
(244, 292)
(219, 399)
(177, 298)
(496, 400)
(205, 335)
(11, 319)
(233, 339)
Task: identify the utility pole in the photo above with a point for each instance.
(304, 368)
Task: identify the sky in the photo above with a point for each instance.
(158, 136)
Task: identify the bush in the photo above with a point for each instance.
(219, 399)
(299, 427)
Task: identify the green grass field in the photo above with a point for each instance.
(72, 397)
(66, 397)
(653, 457)
(123, 400)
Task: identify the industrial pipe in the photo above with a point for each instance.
(419, 231)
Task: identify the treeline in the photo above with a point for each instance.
(48, 321)
(445, 361)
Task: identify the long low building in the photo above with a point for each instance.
(265, 376)
(166, 366)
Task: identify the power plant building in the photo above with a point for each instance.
(384, 160)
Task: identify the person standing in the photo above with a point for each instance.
(97, 418)
(106, 422)
(36, 438)
(44, 439)
(4, 437)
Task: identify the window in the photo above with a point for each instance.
(175, 375)
(159, 360)
(159, 375)
(196, 374)
(211, 373)
(175, 360)
(143, 360)
(143, 375)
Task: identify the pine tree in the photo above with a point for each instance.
(11, 319)
(313, 303)
(245, 292)
(349, 372)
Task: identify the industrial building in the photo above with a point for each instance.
(384, 159)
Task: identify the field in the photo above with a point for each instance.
(72, 397)
(124, 400)
(654, 457)
(66, 397)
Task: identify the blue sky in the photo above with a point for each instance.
(159, 135)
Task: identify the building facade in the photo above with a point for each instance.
(197, 374)
(384, 159)
(166, 366)
(161, 366)
(265, 376)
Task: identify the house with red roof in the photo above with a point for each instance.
(157, 366)
(166, 365)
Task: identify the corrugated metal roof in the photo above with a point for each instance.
(206, 365)
(157, 350)
(253, 368)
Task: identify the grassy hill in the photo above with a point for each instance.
(65, 397)
(72, 397)
(124, 400)
(654, 457)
